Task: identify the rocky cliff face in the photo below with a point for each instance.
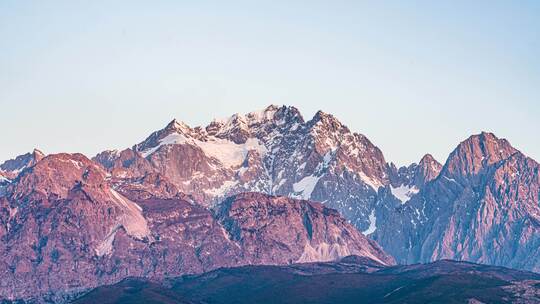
(293, 231)
(65, 228)
(483, 207)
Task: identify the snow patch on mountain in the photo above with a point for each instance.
(372, 224)
(305, 186)
(227, 152)
(249, 118)
(404, 193)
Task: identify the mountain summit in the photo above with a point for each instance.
(273, 151)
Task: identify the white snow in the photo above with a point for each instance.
(262, 115)
(249, 118)
(306, 186)
(372, 224)
(227, 152)
(3, 179)
(404, 193)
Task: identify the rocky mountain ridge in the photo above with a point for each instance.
(11, 168)
(483, 207)
(64, 228)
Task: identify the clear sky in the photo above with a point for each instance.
(415, 77)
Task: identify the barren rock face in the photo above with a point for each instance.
(292, 231)
(64, 229)
(483, 207)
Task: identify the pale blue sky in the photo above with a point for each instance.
(415, 77)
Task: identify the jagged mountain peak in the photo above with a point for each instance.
(428, 169)
(250, 118)
(176, 125)
(263, 115)
(428, 159)
(328, 121)
(482, 207)
(239, 128)
(13, 167)
(407, 181)
(488, 145)
(330, 134)
(38, 153)
(476, 153)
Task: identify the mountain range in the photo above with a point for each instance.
(264, 188)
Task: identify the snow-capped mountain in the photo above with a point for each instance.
(273, 151)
